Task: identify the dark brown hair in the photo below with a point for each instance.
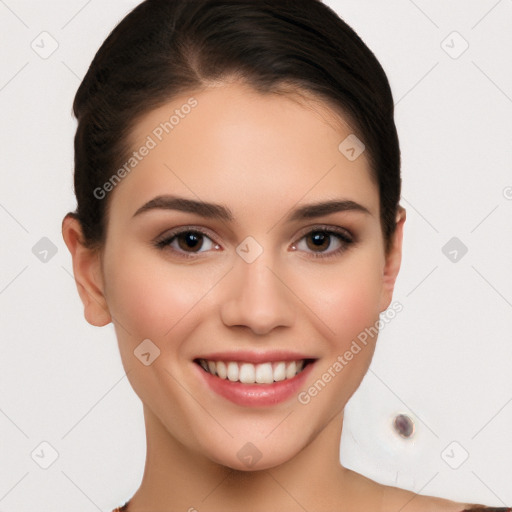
(166, 48)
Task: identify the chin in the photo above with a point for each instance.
(259, 465)
(257, 455)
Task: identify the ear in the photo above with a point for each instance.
(87, 271)
(393, 261)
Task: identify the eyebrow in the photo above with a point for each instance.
(217, 211)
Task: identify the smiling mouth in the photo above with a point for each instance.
(248, 373)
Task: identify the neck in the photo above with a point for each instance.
(177, 479)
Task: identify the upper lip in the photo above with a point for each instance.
(255, 357)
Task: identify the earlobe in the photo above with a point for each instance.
(87, 272)
(393, 261)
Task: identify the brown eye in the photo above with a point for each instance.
(324, 243)
(187, 242)
(190, 240)
(318, 240)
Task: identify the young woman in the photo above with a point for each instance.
(237, 174)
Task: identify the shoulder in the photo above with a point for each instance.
(408, 501)
(121, 509)
(482, 508)
(391, 499)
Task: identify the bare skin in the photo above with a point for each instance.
(262, 157)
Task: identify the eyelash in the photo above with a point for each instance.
(341, 234)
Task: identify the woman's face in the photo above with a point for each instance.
(256, 279)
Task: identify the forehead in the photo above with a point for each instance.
(233, 145)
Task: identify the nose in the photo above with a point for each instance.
(257, 297)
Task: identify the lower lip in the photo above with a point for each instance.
(256, 395)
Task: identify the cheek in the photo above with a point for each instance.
(346, 298)
(145, 297)
(348, 304)
(153, 298)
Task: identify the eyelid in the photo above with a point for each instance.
(325, 227)
(170, 233)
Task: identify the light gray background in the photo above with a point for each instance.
(444, 360)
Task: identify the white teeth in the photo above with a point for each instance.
(291, 370)
(280, 371)
(232, 371)
(220, 367)
(264, 374)
(248, 373)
